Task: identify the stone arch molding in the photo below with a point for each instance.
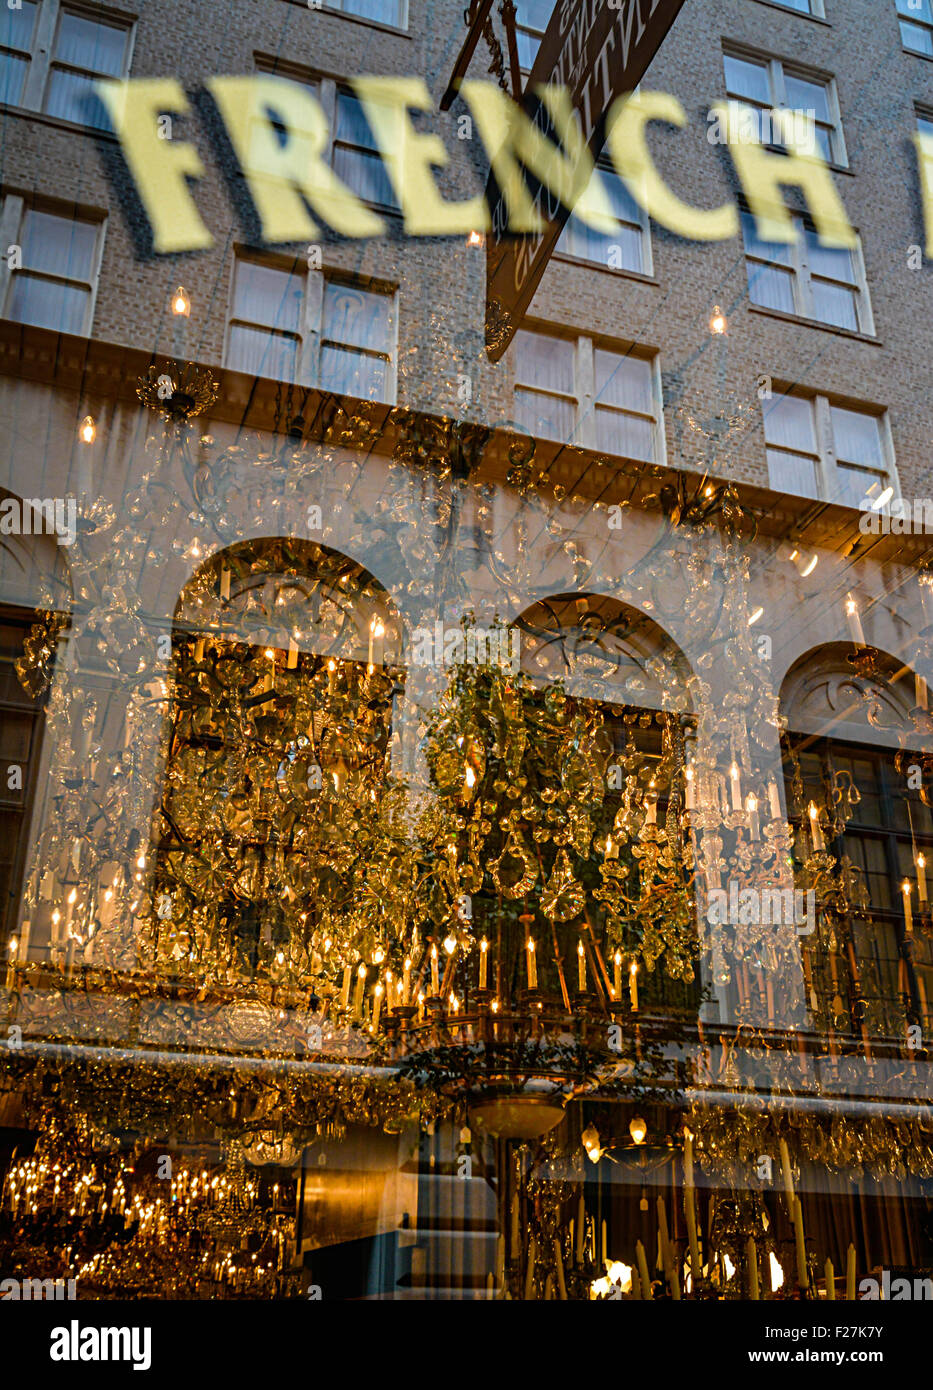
(602, 649)
(826, 694)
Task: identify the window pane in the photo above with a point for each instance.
(271, 355)
(747, 79)
(48, 305)
(356, 318)
(354, 374)
(916, 9)
(789, 423)
(771, 288)
(792, 473)
(16, 26)
(857, 437)
(85, 43)
(72, 97)
(833, 262)
(264, 295)
(366, 174)
(386, 11)
(916, 39)
(853, 485)
(780, 252)
(622, 250)
(59, 245)
(833, 304)
(925, 126)
(545, 417)
(808, 96)
(13, 71)
(352, 125)
(628, 435)
(624, 381)
(541, 360)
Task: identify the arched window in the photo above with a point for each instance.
(854, 756)
(35, 588)
(285, 668)
(621, 666)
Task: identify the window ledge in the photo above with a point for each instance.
(59, 123)
(638, 275)
(779, 314)
(797, 14)
(912, 53)
(354, 18)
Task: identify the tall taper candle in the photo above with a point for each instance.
(830, 1281)
(850, 1274)
(643, 1270)
(751, 1254)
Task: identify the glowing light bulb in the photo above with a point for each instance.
(450, 944)
(181, 304)
(470, 777)
(87, 430)
(638, 1130)
(475, 239)
(717, 323)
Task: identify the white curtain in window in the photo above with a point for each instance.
(270, 355)
(789, 423)
(544, 361)
(356, 318)
(624, 381)
(58, 245)
(48, 304)
(268, 296)
(85, 43)
(857, 437)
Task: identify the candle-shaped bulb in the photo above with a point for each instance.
(87, 430)
(181, 303)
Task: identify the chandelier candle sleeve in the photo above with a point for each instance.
(633, 985)
(830, 1281)
(483, 963)
(581, 968)
(689, 789)
(580, 1229)
(532, 965)
(617, 975)
(908, 914)
(358, 992)
(800, 1245)
(788, 1176)
(435, 982)
(815, 831)
(922, 877)
(643, 1270)
(850, 1274)
(345, 990)
(406, 981)
(751, 810)
(854, 622)
(751, 1255)
(774, 801)
(735, 782)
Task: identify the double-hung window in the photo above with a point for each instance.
(579, 391)
(51, 54)
(352, 151)
(53, 280)
(808, 279)
(916, 21)
(17, 28)
(762, 86)
(816, 448)
(531, 21)
(626, 248)
(311, 328)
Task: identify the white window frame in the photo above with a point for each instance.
(802, 282)
(826, 460)
(42, 59)
(777, 70)
(924, 25)
(311, 321)
(584, 435)
(12, 218)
